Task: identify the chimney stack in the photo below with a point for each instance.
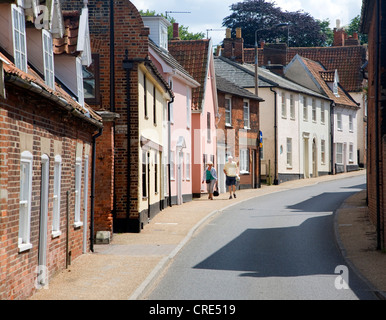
(176, 32)
(234, 47)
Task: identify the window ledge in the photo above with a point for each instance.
(24, 247)
(55, 234)
(78, 224)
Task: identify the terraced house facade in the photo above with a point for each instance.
(46, 143)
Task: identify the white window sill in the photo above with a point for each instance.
(55, 234)
(78, 224)
(24, 247)
(244, 172)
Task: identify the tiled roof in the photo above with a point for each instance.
(348, 60)
(318, 72)
(193, 56)
(69, 42)
(237, 73)
(59, 94)
(226, 86)
(169, 59)
(243, 75)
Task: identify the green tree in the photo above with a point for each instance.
(354, 27)
(327, 31)
(252, 15)
(183, 31)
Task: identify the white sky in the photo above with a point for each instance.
(209, 14)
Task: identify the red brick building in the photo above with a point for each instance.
(120, 46)
(236, 106)
(373, 23)
(46, 140)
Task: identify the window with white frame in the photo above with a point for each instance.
(247, 122)
(78, 191)
(144, 173)
(292, 107)
(323, 151)
(289, 152)
(48, 55)
(244, 161)
(339, 124)
(56, 203)
(188, 107)
(19, 38)
(322, 113)
(351, 152)
(305, 109)
(339, 153)
(208, 127)
(283, 106)
(187, 164)
(228, 110)
(25, 201)
(313, 110)
(79, 80)
(351, 123)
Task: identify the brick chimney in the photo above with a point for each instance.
(275, 57)
(234, 47)
(176, 31)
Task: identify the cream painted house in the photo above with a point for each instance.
(153, 97)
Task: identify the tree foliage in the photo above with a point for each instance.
(354, 27)
(251, 15)
(183, 31)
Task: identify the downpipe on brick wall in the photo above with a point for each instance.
(93, 188)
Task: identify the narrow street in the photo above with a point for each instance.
(278, 246)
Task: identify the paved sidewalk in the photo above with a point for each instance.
(128, 266)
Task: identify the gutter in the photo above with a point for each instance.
(33, 87)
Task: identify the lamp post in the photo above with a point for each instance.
(257, 89)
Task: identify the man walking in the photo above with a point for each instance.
(230, 169)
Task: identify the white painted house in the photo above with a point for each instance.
(344, 137)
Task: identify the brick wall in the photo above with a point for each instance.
(374, 163)
(237, 125)
(131, 35)
(50, 131)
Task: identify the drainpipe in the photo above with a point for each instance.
(93, 188)
(169, 153)
(128, 66)
(332, 128)
(112, 56)
(275, 180)
(377, 153)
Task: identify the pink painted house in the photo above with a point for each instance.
(177, 129)
(197, 58)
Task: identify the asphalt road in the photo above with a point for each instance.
(278, 246)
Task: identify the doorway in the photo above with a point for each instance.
(314, 159)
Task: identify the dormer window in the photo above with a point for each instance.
(164, 38)
(48, 55)
(19, 38)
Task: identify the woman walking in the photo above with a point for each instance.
(210, 177)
